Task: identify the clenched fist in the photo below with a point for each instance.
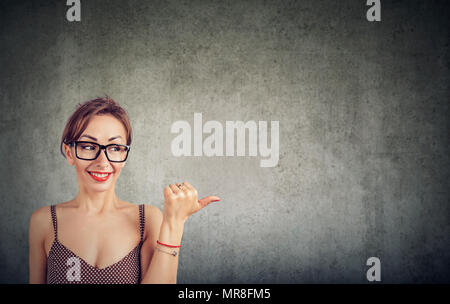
(181, 201)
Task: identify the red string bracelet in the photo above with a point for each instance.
(170, 246)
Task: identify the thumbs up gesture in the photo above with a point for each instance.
(181, 201)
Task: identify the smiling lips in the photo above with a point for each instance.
(99, 176)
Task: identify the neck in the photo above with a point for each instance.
(93, 202)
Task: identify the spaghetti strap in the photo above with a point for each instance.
(141, 220)
(55, 224)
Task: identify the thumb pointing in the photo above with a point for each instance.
(208, 200)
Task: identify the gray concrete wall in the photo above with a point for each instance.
(363, 110)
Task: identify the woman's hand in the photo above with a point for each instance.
(182, 202)
(179, 203)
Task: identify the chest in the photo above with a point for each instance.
(99, 242)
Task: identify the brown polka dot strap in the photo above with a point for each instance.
(65, 267)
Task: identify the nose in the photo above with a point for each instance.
(102, 159)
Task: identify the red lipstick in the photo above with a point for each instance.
(102, 177)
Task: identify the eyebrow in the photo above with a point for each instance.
(93, 138)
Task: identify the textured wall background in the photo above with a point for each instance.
(364, 119)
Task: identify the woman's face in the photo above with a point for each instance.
(104, 130)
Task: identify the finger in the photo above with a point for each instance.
(208, 200)
(167, 192)
(183, 187)
(188, 187)
(174, 188)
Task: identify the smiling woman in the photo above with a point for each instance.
(97, 237)
(79, 120)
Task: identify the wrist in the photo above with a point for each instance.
(171, 232)
(173, 223)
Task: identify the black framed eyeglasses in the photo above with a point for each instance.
(87, 150)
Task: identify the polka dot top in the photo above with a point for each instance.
(65, 267)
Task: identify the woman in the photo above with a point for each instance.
(97, 237)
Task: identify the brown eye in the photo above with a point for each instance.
(87, 147)
(116, 149)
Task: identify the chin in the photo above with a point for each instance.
(100, 188)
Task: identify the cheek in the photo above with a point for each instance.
(117, 168)
(80, 167)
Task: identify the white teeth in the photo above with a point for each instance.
(99, 175)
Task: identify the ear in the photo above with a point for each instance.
(69, 155)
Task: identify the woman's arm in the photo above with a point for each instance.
(163, 267)
(179, 204)
(37, 258)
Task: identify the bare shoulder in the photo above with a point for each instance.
(40, 216)
(153, 220)
(149, 210)
(152, 213)
(40, 221)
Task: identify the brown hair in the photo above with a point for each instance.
(79, 120)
